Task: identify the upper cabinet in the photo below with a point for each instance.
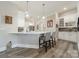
(61, 22)
(68, 21)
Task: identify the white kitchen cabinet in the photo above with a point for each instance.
(69, 36)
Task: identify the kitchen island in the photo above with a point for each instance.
(26, 39)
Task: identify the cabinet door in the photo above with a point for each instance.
(61, 35)
(73, 36)
(69, 36)
(66, 36)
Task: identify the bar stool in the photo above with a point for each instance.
(47, 40)
(52, 40)
(44, 41)
(41, 40)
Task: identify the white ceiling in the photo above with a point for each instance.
(35, 7)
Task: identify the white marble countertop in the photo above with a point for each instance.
(32, 32)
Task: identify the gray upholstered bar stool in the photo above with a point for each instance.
(47, 40)
(41, 40)
(44, 41)
(52, 39)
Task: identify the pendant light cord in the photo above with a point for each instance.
(27, 6)
(43, 5)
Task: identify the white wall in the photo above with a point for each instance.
(43, 23)
(6, 8)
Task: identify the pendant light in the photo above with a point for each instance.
(43, 5)
(27, 12)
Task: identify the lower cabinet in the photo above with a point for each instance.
(70, 36)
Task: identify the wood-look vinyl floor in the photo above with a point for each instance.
(63, 49)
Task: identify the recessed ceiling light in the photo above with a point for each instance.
(65, 8)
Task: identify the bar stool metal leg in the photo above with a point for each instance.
(54, 42)
(50, 43)
(45, 46)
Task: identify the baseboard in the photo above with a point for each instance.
(2, 49)
(25, 46)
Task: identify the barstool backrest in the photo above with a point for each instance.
(41, 35)
(54, 34)
(47, 36)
